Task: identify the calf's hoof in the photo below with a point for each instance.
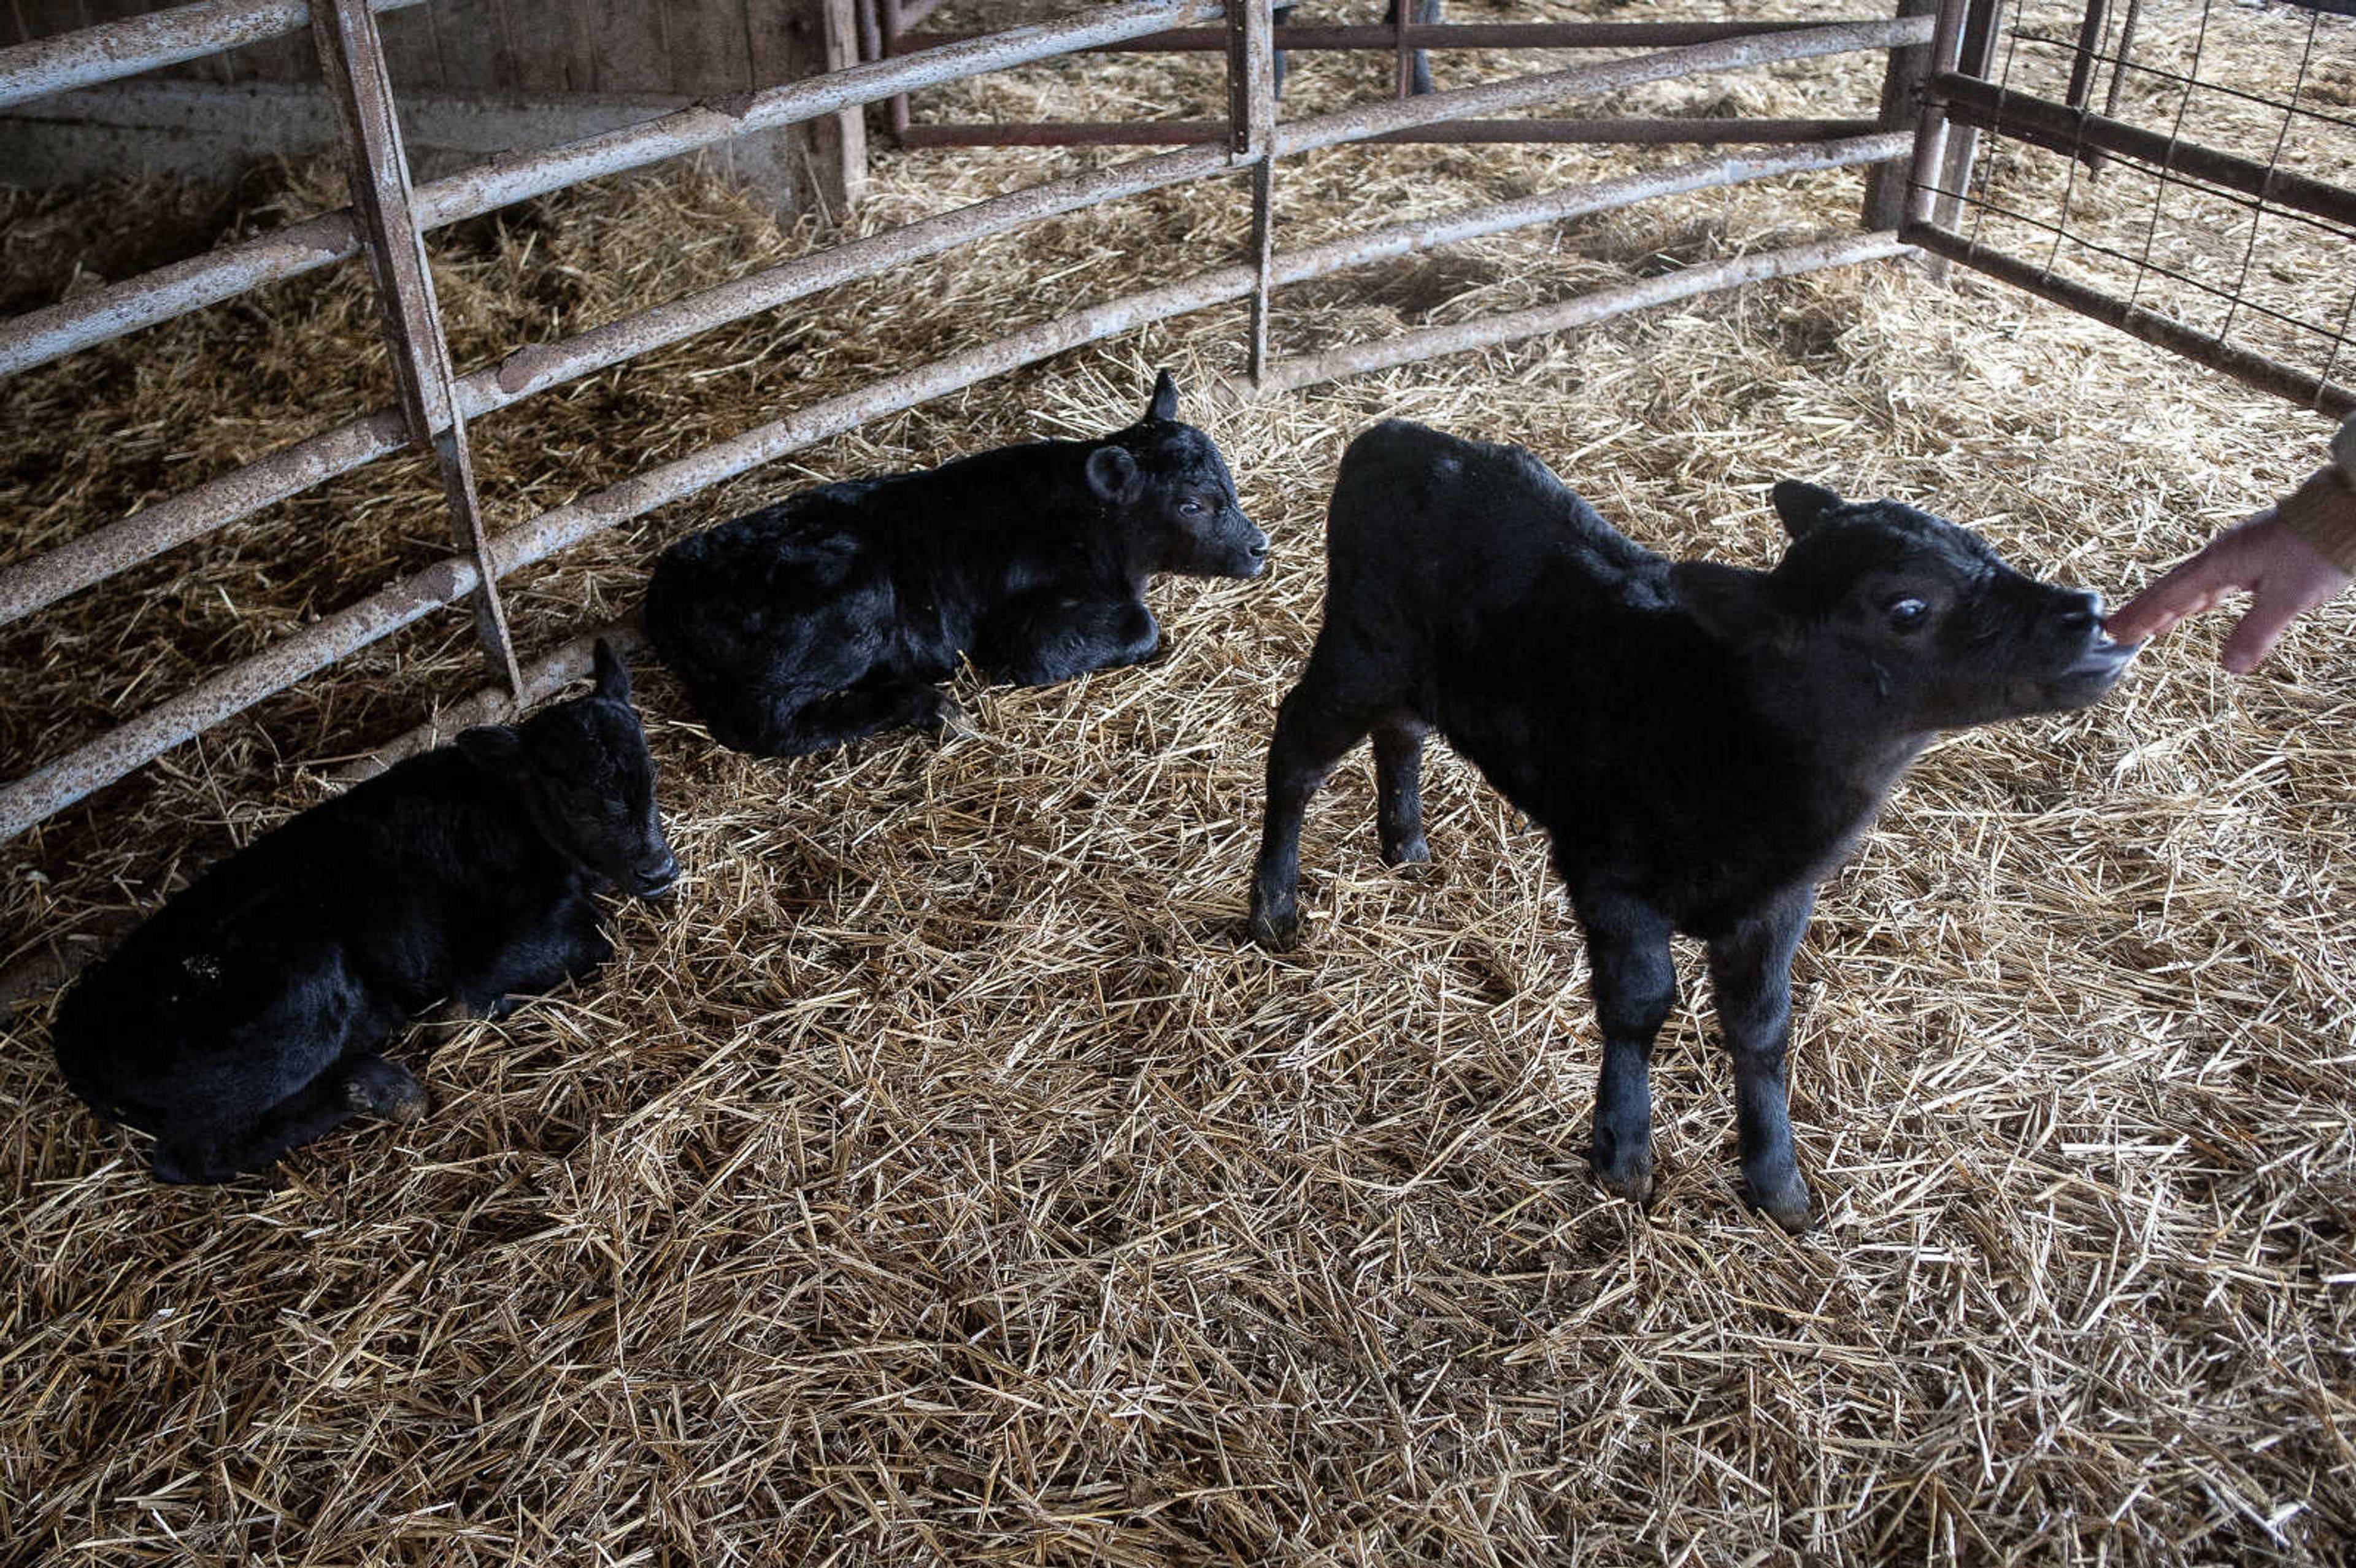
(1623, 1173)
(185, 1167)
(382, 1089)
(1781, 1196)
(1409, 852)
(1275, 928)
(927, 707)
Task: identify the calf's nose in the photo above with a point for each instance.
(2082, 611)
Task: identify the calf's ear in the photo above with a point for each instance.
(1733, 605)
(1112, 473)
(1802, 507)
(494, 748)
(1164, 405)
(613, 675)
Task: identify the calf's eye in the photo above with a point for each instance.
(1190, 508)
(1906, 614)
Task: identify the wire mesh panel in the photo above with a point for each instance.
(2129, 160)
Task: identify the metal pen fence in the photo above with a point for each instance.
(389, 217)
(2211, 217)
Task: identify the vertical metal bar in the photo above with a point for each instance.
(1932, 133)
(1404, 58)
(2085, 62)
(1901, 109)
(1264, 261)
(887, 14)
(2119, 67)
(352, 60)
(2084, 68)
(1983, 25)
(1251, 98)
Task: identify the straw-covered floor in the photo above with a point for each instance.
(941, 1179)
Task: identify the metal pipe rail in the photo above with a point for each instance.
(53, 331)
(116, 49)
(68, 778)
(30, 585)
(2247, 365)
(1699, 131)
(1366, 122)
(1384, 36)
(2071, 131)
(1697, 47)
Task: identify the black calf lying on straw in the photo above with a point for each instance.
(833, 616)
(1427, 14)
(1703, 743)
(245, 1017)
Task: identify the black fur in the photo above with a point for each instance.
(835, 613)
(245, 1016)
(1703, 743)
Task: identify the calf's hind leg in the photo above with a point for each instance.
(1313, 729)
(1635, 985)
(1750, 975)
(799, 720)
(1049, 639)
(1398, 792)
(362, 1084)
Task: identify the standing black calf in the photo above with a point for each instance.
(834, 614)
(1702, 743)
(1427, 14)
(244, 1018)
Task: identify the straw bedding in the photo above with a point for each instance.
(940, 1179)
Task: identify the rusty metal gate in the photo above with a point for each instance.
(2095, 155)
(388, 219)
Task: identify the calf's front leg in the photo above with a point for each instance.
(1042, 641)
(1635, 985)
(568, 941)
(1751, 976)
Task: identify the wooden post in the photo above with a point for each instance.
(834, 149)
(796, 39)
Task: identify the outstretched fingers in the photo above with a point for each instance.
(2195, 585)
(2283, 575)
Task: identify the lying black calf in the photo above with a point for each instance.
(835, 613)
(244, 1018)
(1702, 743)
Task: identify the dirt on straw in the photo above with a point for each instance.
(941, 1179)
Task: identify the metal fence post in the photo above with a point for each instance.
(1901, 110)
(351, 58)
(1975, 51)
(1251, 126)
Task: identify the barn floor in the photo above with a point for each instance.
(940, 1179)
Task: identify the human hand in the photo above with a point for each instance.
(2283, 575)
